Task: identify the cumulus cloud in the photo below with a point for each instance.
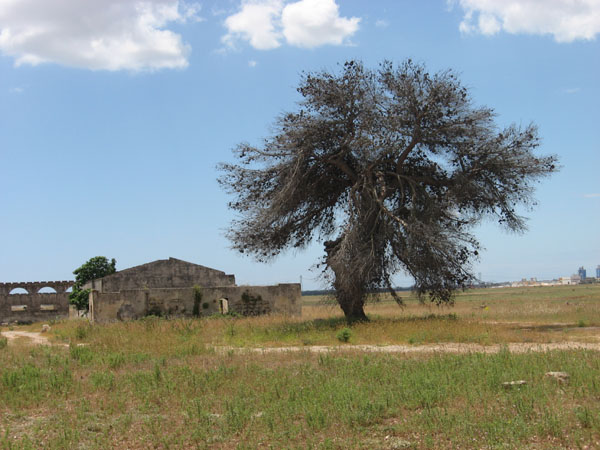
(265, 24)
(565, 20)
(256, 22)
(311, 23)
(96, 34)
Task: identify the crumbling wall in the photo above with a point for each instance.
(25, 308)
(178, 302)
(258, 300)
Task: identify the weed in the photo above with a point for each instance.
(157, 372)
(116, 360)
(3, 342)
(585, 416)
(197, 300)
(82, 331)
(103, 380)
(82, 354)
(230, 331)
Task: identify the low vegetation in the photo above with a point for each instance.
(182, 384)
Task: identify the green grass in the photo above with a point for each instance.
(159, 383)
(56, 398)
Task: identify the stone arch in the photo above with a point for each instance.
(18, 290)
(47, 290)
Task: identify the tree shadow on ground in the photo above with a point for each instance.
(333, 323)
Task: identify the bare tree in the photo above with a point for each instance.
(390, 169)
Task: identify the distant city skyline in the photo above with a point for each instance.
(577, 272)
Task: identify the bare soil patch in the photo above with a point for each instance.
(35, 337)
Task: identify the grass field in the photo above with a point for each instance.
(159, 383)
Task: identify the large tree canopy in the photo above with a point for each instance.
(390, 169)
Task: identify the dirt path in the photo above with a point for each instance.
(428, 348)
(450, 347)
(36, 338)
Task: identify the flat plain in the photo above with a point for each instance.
(315, 381)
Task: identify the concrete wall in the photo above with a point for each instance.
(165, 273)
(33, 307)
(174, 302)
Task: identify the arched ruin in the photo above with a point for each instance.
(35, 304)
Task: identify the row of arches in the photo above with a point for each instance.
(35, 287)
(43, 290)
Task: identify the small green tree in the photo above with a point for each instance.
(96, 267)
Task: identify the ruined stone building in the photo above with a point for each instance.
(168, 287)
(40, 301)
(172, 287)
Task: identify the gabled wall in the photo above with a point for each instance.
(164, 273)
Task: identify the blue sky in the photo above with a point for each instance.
(114, 114)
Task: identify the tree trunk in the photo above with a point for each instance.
(349, 283)
(354, 311)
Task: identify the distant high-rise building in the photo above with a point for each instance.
(581, 273)
(598, 272)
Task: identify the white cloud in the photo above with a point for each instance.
(571, 91)
(252, 63)
(382, 23)
(256, 22)
(16, 90)
(592, 195)
(304, 23)
(311, 23)
(566, 20)
(96, 34)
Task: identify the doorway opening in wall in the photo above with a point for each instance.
(224, 305)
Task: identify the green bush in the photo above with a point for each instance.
(344, 334)
(3, 342)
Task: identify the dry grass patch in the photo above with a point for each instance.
(490, 316)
